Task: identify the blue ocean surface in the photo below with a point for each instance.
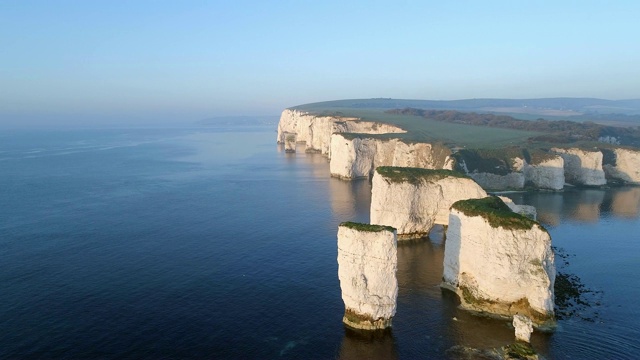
(212, 242)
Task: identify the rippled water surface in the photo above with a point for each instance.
(214, 243)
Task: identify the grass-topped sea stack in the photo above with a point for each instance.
(499, 262)
(367, 266)
(412, 200)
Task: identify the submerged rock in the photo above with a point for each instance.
(412, 200)
(499, 262)
(367, 266)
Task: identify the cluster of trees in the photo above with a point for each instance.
(559, 131)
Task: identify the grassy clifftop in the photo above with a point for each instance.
(415, 175)
(367, 227)
(496, 212)
(566, 120)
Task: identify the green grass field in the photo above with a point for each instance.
(420, 129)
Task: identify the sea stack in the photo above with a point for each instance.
(289, 142)
(367, 266)
(499, 262)
(412, 200)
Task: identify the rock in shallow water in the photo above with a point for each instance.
(523, 327)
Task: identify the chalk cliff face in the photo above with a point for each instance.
(356, 156)
(508, 169)
(492, 172)
(497, 267)
(524, 210)
(547, 174)
(367, 266)
(511, 181)
(412, 200)
(622, 165)
(582, 167)
(315, 131)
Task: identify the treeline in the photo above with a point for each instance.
(560, 131)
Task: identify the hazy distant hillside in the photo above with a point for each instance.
(579, 105)
(611, 112)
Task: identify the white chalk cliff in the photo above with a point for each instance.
(367, 266)
(499, 268)
(624, 166)
(547, 174)
(412, 200)
(495, 172)
(582, 167)
(524, 210)
(514, 179)
(356, 156)
(315, 131)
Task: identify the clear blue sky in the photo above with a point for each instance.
(185, 60)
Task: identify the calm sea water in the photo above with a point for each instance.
(214, 243)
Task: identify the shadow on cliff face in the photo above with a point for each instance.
(358, 344)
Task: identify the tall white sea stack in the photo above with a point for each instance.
(412, 200)
(499, 262)
(367, 266)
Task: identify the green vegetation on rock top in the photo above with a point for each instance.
(367, 227)
(496, 212)
(415, 175)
